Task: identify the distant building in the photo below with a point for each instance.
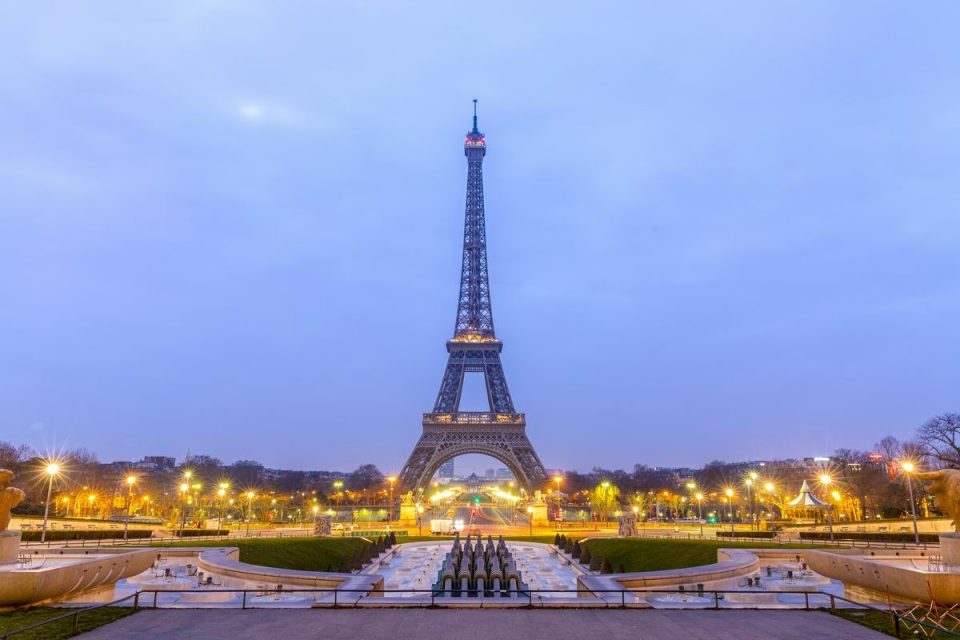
(446, 469)
(158, 462)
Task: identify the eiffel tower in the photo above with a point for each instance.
(448, 432)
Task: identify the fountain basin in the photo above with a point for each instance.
(880, 577)
(68, 574)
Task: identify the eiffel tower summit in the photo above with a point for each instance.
(499, 432)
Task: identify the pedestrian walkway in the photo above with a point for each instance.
(400, 624)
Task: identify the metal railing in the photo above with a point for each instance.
(602, 598)
(75, 614)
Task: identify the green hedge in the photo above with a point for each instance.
(766, 535)
(929, 538)
(195, 533)
(59, 534)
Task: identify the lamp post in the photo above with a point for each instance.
(605, 485)
(131, 480)
(52, 470)
(338, 485)
(250, 495)
(908, 470)
(391, 480)
(753, 502)
(700, 511)
(184, 489)
(530, 519)
(420, 518)
(729, 493)
(558, 479)
(825, 480)
(221, 492)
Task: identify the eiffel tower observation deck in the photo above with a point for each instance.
(474, 347)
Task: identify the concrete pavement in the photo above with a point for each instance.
(401, 624)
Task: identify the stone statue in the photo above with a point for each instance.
(628, 526)
(323, 525)
(945, 487)
(407, 499)
(9, 497)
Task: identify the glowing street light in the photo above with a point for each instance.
(250, 496)
(530, 519)
(52, 470)
(908, 468)
(420, 518)
(221, 492)
(131, 480)
(558, 479)
(729, 494)
(392, 480)
(699, 498)
(826, 480)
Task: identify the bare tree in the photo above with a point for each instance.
(940, 439)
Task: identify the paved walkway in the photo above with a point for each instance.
(401, 624)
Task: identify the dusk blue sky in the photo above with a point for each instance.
(716, 229)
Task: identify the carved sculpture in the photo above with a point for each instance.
(9, 497)
(945, 487)
(628, 526)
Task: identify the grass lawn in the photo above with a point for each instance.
(882, 622)
(635, 554)
(654, 554)
(10, 620)
(307, 554)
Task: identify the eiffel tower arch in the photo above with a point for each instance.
(448, 432)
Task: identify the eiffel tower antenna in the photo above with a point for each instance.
(448, 432)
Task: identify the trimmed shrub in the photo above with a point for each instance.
(605, 567)
(620, 568)
(59, 534)
(585, 555)
(195, 533)
(556, 540)
(345, 565)
(595, 563)
(576, 550)
(929, 538)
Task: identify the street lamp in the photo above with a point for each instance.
(699, 497)
(250, 495)
(530, 519)
(338, 485)
(606, 485)
(392, 480)
(825, 480)
(221, 492)
(131, 480)
(420, 518)
(52, 470)
(184, 488)
(729, 493)
(908, 470)
(558, 479)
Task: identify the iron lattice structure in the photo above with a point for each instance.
(447, 431)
